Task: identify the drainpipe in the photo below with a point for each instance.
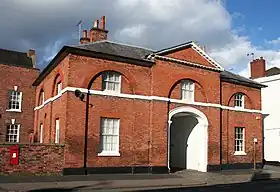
(168, 134)
(221, 126)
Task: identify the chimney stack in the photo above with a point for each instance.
(32, 54)
(84, 39)
(97, 32)
(257, 68)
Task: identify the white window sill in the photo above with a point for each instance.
(111, 91)
(237, 107)
(240, 153)
(109, 154)
(14, 110)
(187, 100)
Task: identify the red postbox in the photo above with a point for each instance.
(14, 155)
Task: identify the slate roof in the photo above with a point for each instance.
(117, 49)
(15, 58)
(234, 78)
(272, 71)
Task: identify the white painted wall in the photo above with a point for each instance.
(271, 111)
(187, 142)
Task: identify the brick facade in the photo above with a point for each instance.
(22, 77)
(143, 123)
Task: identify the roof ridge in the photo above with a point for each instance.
(90, 43)
(10, 50)
(136, 46)
(174, 46)
(113, 42)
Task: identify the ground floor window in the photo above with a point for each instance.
(12, 133)
(239, 139)
(110, 134)
(41, 133)
(57, 131)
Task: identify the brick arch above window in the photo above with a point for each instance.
(128, 84)
(41, 97)
(177, 89)
(238, 97)
(57, 84)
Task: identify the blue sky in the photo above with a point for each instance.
(258, 17)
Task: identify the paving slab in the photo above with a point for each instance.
(95, 177)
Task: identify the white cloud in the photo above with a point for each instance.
(46, 25)
(205, 21)
(136, 31)
(274, 41)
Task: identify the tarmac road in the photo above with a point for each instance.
(257, 186)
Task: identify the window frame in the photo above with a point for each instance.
(237, 100)
(42, 98)
(58, 88)
(105, 80)
(19, 101)
(192, 90)
(41, 133)
(102, 135)
(17, 135)
(236, 132)
(57, 131)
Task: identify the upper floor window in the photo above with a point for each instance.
(12, 134)
(111, 81)
(42, 97)
(58, 88)
(15, 100)
(239, 100)
(187, 90)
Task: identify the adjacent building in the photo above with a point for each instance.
(143, 110)
(17, 95)
(270, 94)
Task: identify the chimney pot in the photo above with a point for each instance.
(32, 54)
(96, 24)
(103, 22)
(85, 33)
(84, 39)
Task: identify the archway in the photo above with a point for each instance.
(187, 139)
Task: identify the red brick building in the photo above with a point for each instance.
(143, 110)
(17, 95)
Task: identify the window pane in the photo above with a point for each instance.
(238, 100)
(12, 133)
(239, 139)
(14, 100)
(59, 87)
(187, 90)
(109, 137)
(111, 81)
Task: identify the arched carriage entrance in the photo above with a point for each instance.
(187, 139)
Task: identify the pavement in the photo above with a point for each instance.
(183, 180)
